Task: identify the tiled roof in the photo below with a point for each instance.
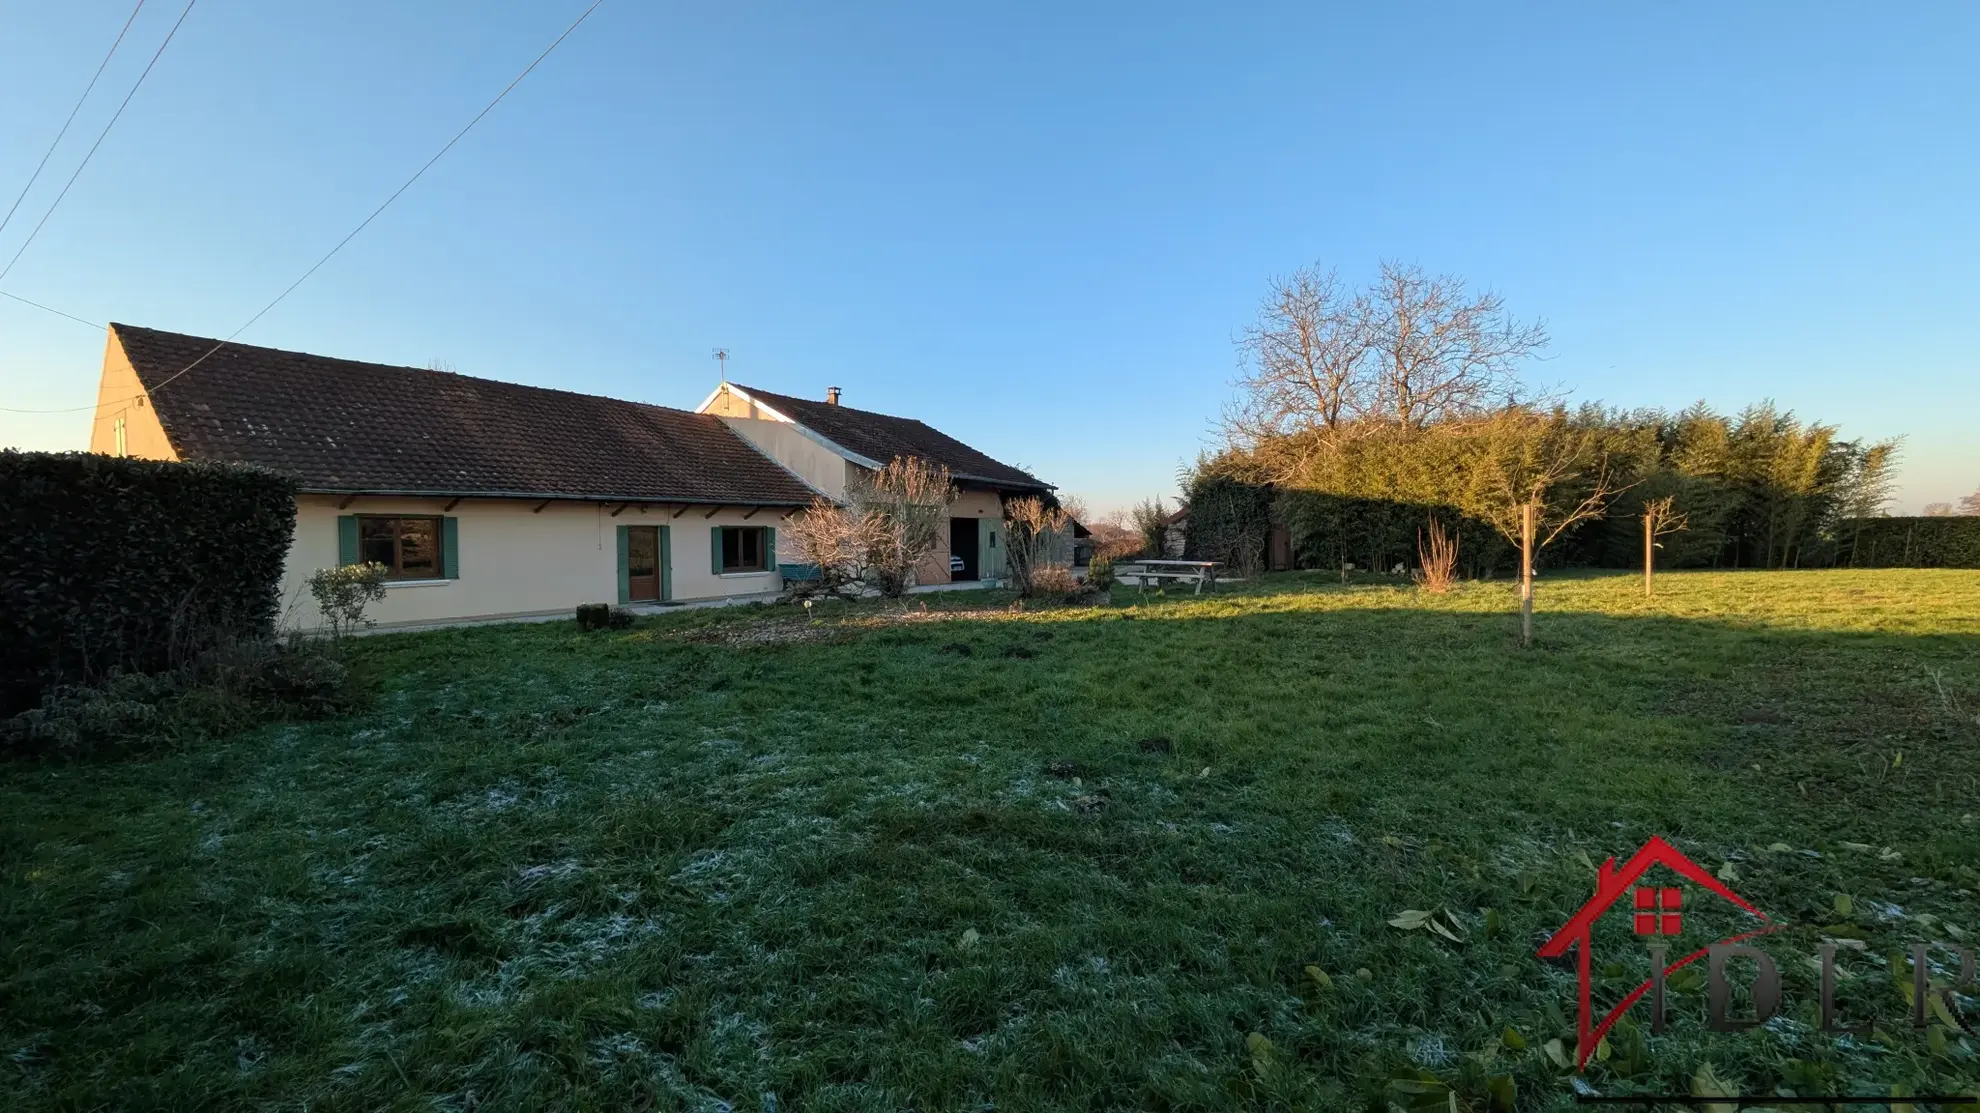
(341, 425)
(881, 438)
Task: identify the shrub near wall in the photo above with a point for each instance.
(1909, 542)
(111, 564)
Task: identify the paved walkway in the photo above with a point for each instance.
(642, 609)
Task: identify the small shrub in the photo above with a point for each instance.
(598, 616)
(343, 593)
(229, 688)
(1100, 574)
(1437, 561)
(1053, 582)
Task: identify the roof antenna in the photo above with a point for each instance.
(722, 358)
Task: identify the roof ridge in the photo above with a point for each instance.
(840, 405)
(116, 325)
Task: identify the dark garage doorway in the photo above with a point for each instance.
(962, 543)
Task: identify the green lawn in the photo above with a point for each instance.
(979, 858)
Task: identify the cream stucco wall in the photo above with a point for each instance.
(516, 562)
(119, 395)
(988, 508)
(820, 467)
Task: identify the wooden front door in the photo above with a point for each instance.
(643, 563)
(1279, 549)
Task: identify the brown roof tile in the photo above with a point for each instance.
(882, 437)
(341, 425)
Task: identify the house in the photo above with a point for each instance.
(484, 499)
(1175, 533)
(829, 444)
(1278, 550)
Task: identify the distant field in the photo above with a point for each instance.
(977, 858)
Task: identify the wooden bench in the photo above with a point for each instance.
(1198, 572)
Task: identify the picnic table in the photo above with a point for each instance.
(1198, 572)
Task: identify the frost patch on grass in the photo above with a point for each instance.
(623, 1059)
(549, 871)
(1430, 1050)
(551, 948)
(1082, 975)
(711, 874)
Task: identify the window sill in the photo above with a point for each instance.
(391, 584)
(741, 575)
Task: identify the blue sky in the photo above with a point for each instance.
(1037, 227)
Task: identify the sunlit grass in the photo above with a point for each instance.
(1032, 859)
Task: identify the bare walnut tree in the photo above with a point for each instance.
(1538, 476)
(1305, 360)
(908, 503)
(1441, 351)
(1411, 349)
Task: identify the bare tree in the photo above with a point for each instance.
(1032, 528)
(1971, 503)
(1305, 360)
(1938, 510)
(838, 541)
(1660, 517)
(908, 501)
(1439, 351)
(1539, 475)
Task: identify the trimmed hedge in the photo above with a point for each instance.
(1229, 521)
(1910, 542)
(110, 564)
(1378, 534)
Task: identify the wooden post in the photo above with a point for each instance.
(1649, 550)
(1527, 514)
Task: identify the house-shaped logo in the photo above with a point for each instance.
(1654, 911)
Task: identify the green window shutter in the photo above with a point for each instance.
(450, 548)
(770, 547)
(625, 566)
(715, 550)
(666, 565)
(347, 547)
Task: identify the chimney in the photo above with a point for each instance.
(831, 396)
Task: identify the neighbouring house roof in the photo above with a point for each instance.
(882, 437)
(340, 425)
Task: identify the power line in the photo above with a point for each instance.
(87, 89)
(417, 174)
(104, 134)
(409, 181)
(58, 313)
